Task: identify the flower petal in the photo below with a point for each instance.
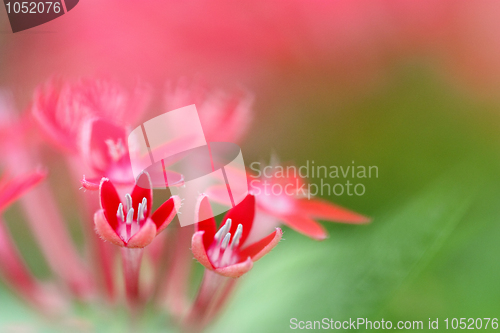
(109, 201)
(203, 211)
(166, 213)
(144, 236)
(142, 189)
(104, 230)
(11, 190)
(236, 270)
(325, 210)
(260, 248)
(243, 213)
(89, 184)
(199, 251)
(306, 226)
(44, 110)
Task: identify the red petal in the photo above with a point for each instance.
(208, 225)
(109, 202)
(198, 249)
(166, 213)
(305, 226)
(142, 189)
(89, 184)
(236, 270)
(104, 230)
(243, 214)
(324, 210)
(260, 248)
(12, 189)
(144, 236)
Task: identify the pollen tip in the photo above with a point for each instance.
(130, 216)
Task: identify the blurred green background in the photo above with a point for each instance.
(432, 248)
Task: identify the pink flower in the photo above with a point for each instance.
(130, 224)
(63, 110)
(224, 116)
(225, 251)
(291, 207)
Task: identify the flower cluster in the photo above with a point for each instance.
(88, 122)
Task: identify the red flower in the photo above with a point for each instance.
(291, 206)
(129, 224)
(224, 251)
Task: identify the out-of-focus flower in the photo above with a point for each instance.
(291, 206)
(225, 251)
(224, 117)
(12, 268)
(90, 118)
(64, 109)
(130, 223)
(12, 189)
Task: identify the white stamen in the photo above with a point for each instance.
(218, 234)
(140, 215)
(129, 201)
(227, 226)
(227, 251)
(219, 240)
(119, 213)
(237, 236)
(130, 216)
(225, 241)
(144, 205)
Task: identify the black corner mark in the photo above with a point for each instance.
(28, 14)
(70, 4)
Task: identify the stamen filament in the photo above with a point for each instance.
(237, 236)
(139, 213)
(144, 205)
(119, 213)
(130, 218)
(129, 201)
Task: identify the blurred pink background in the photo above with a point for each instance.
(257, 44)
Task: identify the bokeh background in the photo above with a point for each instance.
(409, 86)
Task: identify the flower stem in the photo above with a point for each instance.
(174, 291)
(132, 259)
(212, 295)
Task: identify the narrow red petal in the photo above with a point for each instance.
(144, 236)
(104, 230)
(12, 189)
(236, 270)
(325, 210)
(109, 202)
(260, 248)
(142, 189)
(166, 213)
(89, 184)
(198, 249)
(243, 214)
(306, 226)
(208, 225)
